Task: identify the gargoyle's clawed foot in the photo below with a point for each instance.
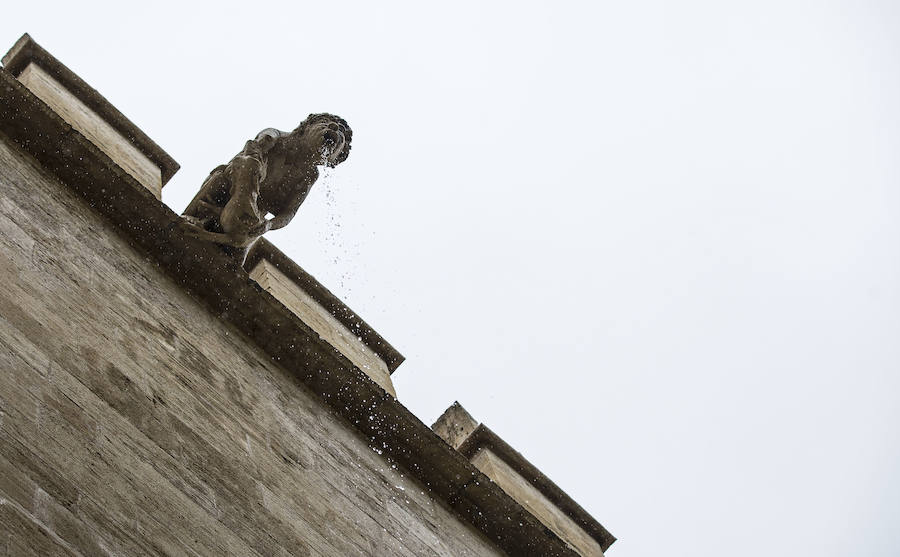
(197, 231)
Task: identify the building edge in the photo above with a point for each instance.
(227, 291)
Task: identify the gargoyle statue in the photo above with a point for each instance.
(271, 175)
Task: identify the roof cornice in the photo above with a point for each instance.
(227, 291)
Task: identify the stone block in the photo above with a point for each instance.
(522, 481)
(89, 113)
(93, 127)
(535, 502)
(323, 323)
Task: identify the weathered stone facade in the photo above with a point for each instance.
(135, 422)
(156, 400)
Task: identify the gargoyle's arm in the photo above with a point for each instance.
(287, 214)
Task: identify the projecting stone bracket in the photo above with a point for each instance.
(90, 113)
(522, 481)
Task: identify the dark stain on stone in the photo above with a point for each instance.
(69, 410)
(120, 393)
(90, 356)
(195, 361)
(237, 395)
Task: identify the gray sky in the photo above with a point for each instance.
(653, 245)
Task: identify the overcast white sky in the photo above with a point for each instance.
(654, 245)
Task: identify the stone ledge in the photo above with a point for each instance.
(265, 250)
(323, 322)
(227, 291)
(27, 52)
(482, 446)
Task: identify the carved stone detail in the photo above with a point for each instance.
(272, 174)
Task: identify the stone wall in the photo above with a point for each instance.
(135, 422)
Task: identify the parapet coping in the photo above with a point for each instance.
(483, 438)
(26, 51)
(264, 249)
(226, 290)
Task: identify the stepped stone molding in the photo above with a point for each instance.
(522, 481)
(90, 113)
(322, 322)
